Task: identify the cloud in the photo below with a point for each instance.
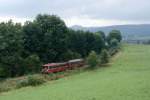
(103, 11)
(88, 22)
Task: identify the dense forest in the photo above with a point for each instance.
(24, 48)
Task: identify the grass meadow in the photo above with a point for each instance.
(126, 78)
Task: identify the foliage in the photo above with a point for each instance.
(70, 55)
(113, 39)
(104, 56)
(114, 34)
(22, 83)
(32, 63)
(35, 80)
(3, 89)
(2, 73)
(102, 35)
(92, 59)
(127, 78)
(11, 48)
(114, 43)
(33, 38)
(49, 37)
(77, 42)
(114, 47)
(31, 80)
(23, 48)
(84, 42)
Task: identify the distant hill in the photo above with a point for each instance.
(141, 31)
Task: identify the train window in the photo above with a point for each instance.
(49, 67)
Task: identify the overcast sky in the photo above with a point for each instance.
(79, 12)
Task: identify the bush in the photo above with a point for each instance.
(104, 56)
(114, 43)
(92, 59)
(114, 47)
(113, 51)
(33, 80)
(22, 83)
(4, 89)
(7, 85)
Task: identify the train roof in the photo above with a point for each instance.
(75, 60)
(54, 64)
(57, 64)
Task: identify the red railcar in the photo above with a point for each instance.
(59, 67)
(75, 63)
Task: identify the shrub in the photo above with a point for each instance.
(35, 80)
(92, 59)
(4, 89)
(114, 47)
(113, 51)
(7, 85)
(104, 56)
(22, 83)
(114, 43)
(32, 80)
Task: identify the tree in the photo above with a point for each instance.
(92, 59)
(47, 37)
(104, 56)
(102, 35)
(33, 37)
(114, 43)
(113, 47)
(32, 64)
(114, 34)
(77, 42)
(83, 42)
(99, 43)
(68, 55)
(11, 48)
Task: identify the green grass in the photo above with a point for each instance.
(127, 78)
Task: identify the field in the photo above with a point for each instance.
(127, 78)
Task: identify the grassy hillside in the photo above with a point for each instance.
(127, 78)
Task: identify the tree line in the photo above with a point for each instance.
(23, 48)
